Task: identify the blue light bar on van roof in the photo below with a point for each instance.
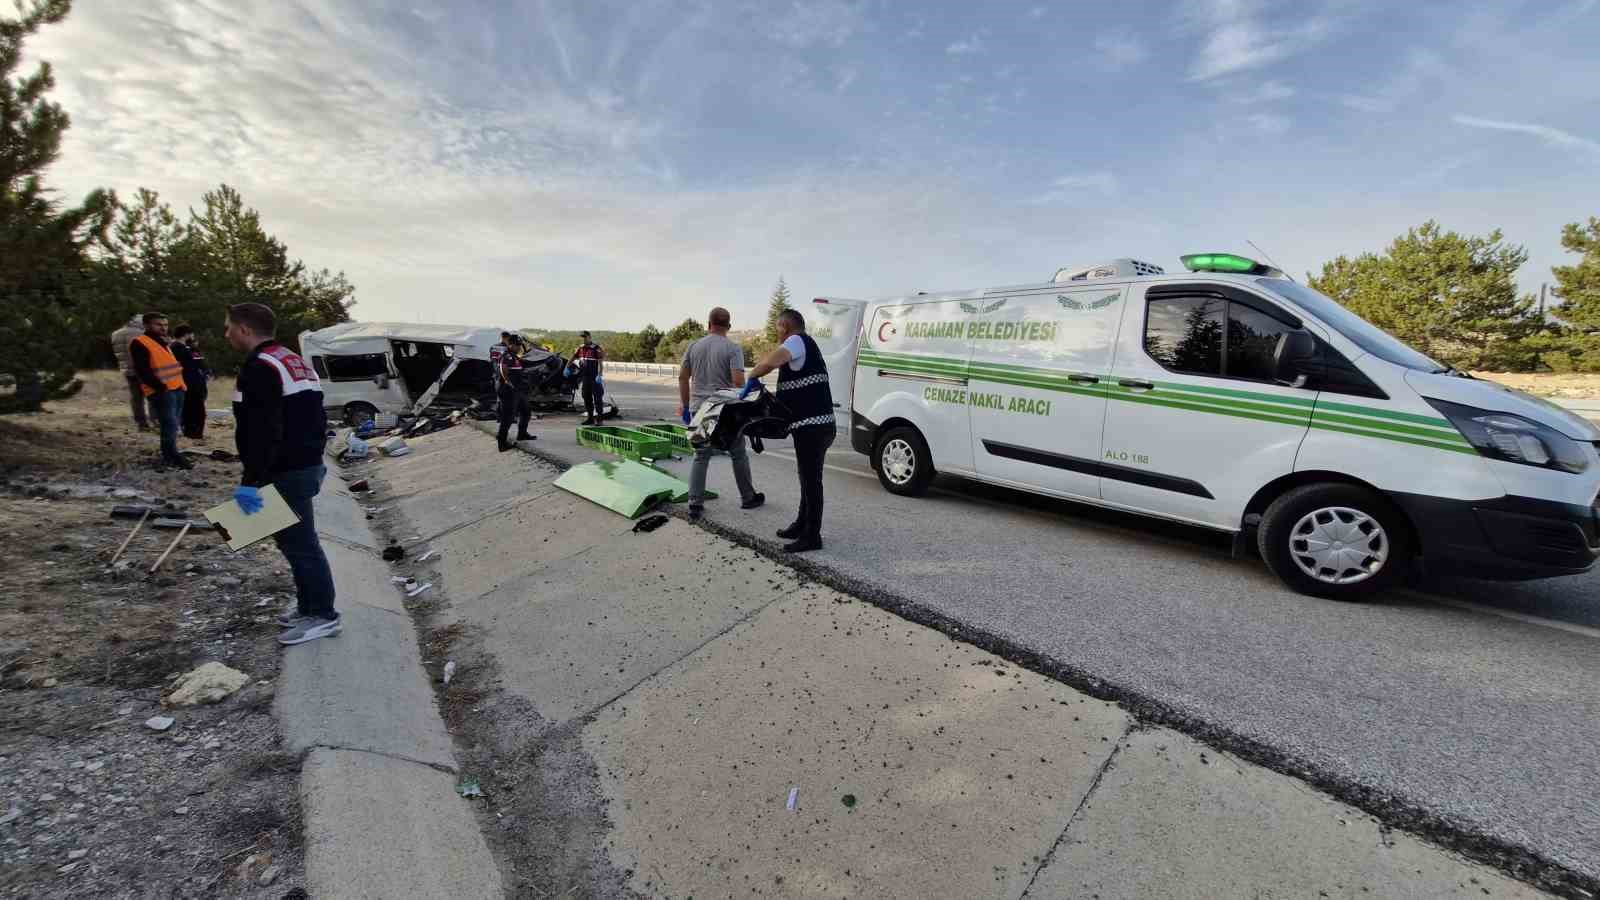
(1224, 262)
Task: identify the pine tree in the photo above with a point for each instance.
(1577, 347)
(778, 303)
(1451, 296)
(42, 247)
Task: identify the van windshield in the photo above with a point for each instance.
(1359, 331)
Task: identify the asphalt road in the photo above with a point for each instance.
(1478, 702)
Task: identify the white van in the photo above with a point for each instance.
(382, 370)
(1235, 399)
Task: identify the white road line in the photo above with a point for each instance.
(856, 472)
(1569, 627)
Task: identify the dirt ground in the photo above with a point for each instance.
(92, 801)
(1569, 387)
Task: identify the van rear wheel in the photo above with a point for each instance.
(1336, 541)
(903, 463)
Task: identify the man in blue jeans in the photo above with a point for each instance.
(281, 430)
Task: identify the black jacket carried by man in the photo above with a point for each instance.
(280, 424)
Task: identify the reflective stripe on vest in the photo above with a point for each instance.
(163, 364)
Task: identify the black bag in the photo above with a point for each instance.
(762, 416)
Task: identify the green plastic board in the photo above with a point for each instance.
(625, 441)
(677, 433)
(623, 486)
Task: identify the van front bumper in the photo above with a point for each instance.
(1511, 538)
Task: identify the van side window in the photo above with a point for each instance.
(321, 370)
(360, 367)
(1184, 334)
(1252, 338)
(1210, 335)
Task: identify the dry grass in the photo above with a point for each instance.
(93, 429)
(1568, 387)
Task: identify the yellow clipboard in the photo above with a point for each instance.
(240, 530)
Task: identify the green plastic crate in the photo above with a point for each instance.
(678, 434)
(625, 442)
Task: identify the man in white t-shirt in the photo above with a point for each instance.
(714, 363)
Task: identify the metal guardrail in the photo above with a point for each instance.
(642, 368)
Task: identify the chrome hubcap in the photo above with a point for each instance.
(1339, 545)
(899, 463)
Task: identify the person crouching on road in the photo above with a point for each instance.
(803, 390)
(196, 378)
(512, 393)
(714, 363)
(281, 429)
(589, 358)
(161, 379)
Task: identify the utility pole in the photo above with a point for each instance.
(1543, 287)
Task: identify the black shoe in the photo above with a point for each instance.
(803, 545)
(527, 437)
(696, 513)
(792, 532)
(505, 446)
(180, 463)
(755, 500)
(589, 421)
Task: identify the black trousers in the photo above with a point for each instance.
(593, 397)
(811, 445)
(194, 412)
(513, 405)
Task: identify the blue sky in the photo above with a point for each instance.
(611, 163)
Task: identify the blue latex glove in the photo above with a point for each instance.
(598, 380)
(567, 372)
(749, 388)
(248, 498)
(685, 416)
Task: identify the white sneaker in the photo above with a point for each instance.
(309, 629)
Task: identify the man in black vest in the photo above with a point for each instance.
(803, 390)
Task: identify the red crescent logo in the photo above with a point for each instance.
(888, 325)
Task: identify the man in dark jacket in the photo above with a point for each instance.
(281, 429)
(196, 377)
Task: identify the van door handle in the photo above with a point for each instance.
(1134, 384)
(1083, 379)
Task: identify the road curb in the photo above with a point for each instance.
(378, 770)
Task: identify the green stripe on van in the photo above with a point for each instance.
(1345, 418)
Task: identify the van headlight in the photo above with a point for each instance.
(1510, 438)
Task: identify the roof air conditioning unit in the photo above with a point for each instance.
(1117, 268)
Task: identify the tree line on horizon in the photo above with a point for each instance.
(70, 275)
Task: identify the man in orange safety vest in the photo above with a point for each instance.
(161, 379)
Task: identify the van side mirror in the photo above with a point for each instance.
(1292, 357)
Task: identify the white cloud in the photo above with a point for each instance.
(1366, 104)
(1267, 92)
(1078, 188)
(1268, 123)
(1238, 39)
(966, 46)
(1555, 137)
(1119, 49)
(1038, 12)
(830, 22)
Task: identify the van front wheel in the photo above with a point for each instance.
(903, 463)
(1336, 541)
